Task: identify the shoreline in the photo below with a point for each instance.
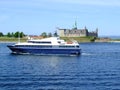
(78, 39)
(7, 42)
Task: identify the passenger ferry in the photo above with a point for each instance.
(46, 46)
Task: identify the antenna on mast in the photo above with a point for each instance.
(18, 37)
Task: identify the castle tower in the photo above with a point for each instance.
(85, 28)
(96, 32)
(86, 31)
(75, 25)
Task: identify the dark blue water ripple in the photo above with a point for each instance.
(97, 68)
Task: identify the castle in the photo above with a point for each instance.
(74, 32)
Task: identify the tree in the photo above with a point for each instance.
(55, 34)
(22, 34)
(93, 39)
(17, 34)
(12, 34)
(44, 34)
(9, 34)
(1, 34)
(49, 34)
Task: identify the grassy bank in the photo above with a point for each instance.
(7, 39)
(80, 39)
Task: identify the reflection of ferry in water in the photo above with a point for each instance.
(50, 46)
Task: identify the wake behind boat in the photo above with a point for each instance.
(46, 46)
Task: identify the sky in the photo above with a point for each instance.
(34, 17)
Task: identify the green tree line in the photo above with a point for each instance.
(16, 34)
(44, 34)
(21, 34)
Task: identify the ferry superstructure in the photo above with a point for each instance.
(49, 46)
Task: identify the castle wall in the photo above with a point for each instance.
(93, 33)
(76, 33)
(61, 32)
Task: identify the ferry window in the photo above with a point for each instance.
(46, 42)
(77, 46)
(66, 46)
(43, 42)
(59, 42)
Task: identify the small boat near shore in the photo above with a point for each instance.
(46, 46)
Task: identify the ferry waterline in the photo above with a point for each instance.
(46, 46)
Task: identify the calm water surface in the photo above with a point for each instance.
(97, 68)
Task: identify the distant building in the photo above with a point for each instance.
(74, 32)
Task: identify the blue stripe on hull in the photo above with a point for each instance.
(45, 51)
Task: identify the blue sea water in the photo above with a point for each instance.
(97, 68)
